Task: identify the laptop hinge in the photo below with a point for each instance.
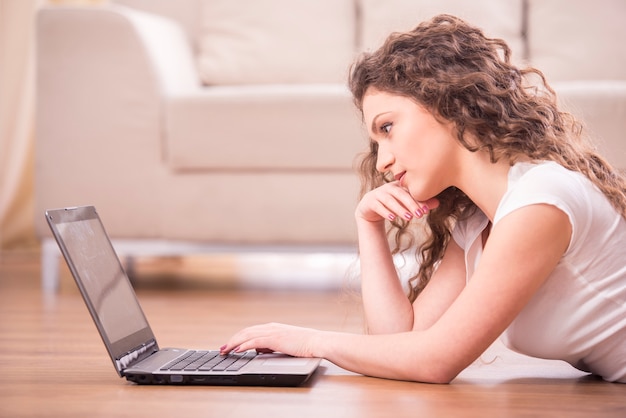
(136, 354)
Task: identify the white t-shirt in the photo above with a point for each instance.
(579, 314)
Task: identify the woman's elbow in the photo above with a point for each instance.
(436, 374)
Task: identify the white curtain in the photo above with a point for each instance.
(17, 108)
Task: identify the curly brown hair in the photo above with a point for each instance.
(460, 75)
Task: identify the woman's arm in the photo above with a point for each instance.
(385, 303)
(445, 285)
(387, 308)
(522, 250)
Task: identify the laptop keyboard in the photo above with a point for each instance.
(209, 361)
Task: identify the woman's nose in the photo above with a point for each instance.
(384, 160)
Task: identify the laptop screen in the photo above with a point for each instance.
(101, 279)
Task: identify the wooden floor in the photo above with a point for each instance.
(52, 362)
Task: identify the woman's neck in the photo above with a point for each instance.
(482, 181)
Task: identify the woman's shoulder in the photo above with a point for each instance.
(547, 183)
(542, 171)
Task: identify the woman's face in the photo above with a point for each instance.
(413, 146)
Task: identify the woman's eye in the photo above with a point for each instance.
(385, 128)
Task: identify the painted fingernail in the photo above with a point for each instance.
(391, 216)
(425, 209)
(222, 348)
(408, 215)
(419, 213)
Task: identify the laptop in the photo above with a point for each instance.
(125, 330)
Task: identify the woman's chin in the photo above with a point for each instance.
(427, 199)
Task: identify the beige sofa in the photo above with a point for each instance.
(200, 125)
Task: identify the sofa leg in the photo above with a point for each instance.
(50, 259)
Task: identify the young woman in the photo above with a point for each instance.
(525, 234)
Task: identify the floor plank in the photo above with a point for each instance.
(54, 364)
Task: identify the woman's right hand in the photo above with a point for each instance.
(391, 201)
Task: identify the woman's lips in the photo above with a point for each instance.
(399, 177)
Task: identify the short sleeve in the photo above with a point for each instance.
(551, 184)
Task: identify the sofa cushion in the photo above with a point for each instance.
(276, 41)
(279, 127)
(601, 105)
(258, 208)
(500, 19)
(578, 40)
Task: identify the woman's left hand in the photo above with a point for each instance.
(273, 337)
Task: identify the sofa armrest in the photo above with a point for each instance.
(99, 117)
(168, 48)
